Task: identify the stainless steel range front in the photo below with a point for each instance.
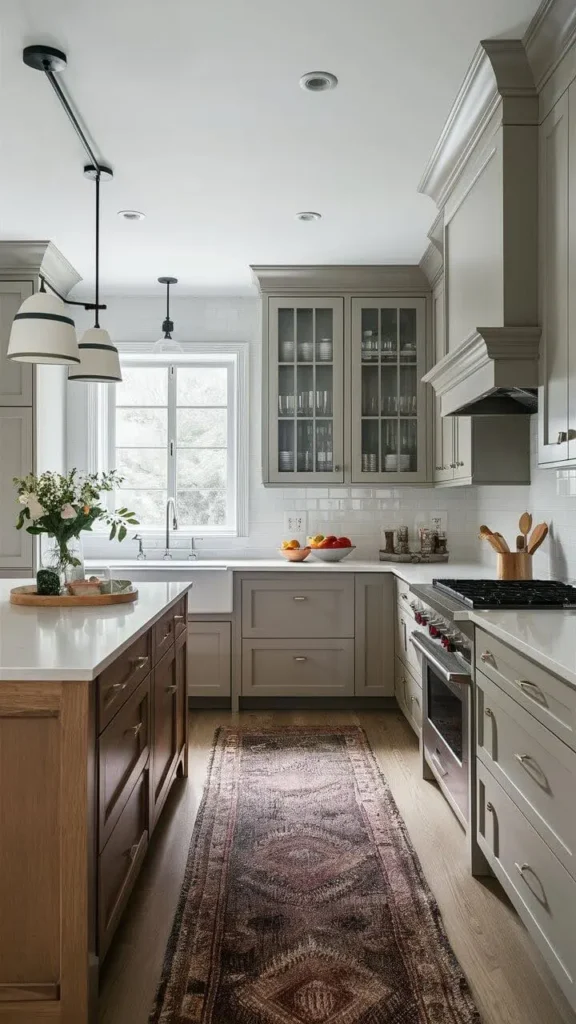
(446, 658)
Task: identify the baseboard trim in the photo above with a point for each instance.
(318, 703)
(218, 703)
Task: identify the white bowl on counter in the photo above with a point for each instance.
(331, 554)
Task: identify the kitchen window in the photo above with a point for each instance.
(173, 431)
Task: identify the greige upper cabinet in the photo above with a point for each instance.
(15, 378)
(306, 390)
(15, 460)
(388, 412)
(344, 350)
(557, 225)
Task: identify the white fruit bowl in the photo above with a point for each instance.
(331, 554)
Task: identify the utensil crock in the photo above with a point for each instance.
(514, 565)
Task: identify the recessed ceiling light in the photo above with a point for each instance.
(308, 215)
(318, 81)
(131, 214)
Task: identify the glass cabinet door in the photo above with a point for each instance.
(306, 390)
(388, 397)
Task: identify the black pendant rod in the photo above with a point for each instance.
(168, 325)
(69, 302)
(71, 115)
(97, 255)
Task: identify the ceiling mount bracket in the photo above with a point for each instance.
(44, 58)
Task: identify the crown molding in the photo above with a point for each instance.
(549, 36)
(498, 79)
(432, 264)
(32, 258)
(340, 279)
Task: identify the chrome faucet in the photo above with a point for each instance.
(169, 503)
(193, 553)
(141, 553)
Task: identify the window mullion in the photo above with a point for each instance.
(172, 452)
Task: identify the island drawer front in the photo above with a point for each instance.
(405, 626)
(534, 767)
(542, 891)
(311, 607)
(307, 667)
(123, 752)
(119, 680)
(170, 626)
(545, 696)
(120, 861)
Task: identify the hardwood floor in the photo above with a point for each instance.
(510, 981)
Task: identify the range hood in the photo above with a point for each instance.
(483, 177)
(493, 373)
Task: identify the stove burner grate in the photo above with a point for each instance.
(493, 594)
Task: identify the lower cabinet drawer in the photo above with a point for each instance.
(120, 861)
(535, 768)
(408, 693)
(540, 888)
(123, 751)
(405, 625)
(313, 668)
(120, 679)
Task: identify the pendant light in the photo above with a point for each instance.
(167, 343)
(42, 332)
(99, 360)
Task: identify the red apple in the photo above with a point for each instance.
(331, 538)
(344, 542)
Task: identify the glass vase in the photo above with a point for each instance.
(66, 558)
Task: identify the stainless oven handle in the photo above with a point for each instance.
(442, 670)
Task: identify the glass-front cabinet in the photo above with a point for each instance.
(388, 409)
(306, 390)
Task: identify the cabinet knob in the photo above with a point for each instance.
(459, 463)
(438, 468)
(337, 469)
(134, 729)
(490, 807)
(171, 689)
(300, 657)
(489, 712)
(178, 618)
(299, 598)
(562, 437)
(486, 656)
(452, 465)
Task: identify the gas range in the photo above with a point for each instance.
(495, 594)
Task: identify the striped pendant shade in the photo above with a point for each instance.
(42, 332)
(99, 360)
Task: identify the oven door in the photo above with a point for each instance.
(445, 722)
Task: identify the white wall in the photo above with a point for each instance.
(356, 511)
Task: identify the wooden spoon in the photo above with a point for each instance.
(525, 523)
(504, 549)
(539, 534)
(485, 532)
(493, 541)
(520, 543)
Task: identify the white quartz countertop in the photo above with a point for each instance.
(547, 637)
(411, 572)
(60, 644)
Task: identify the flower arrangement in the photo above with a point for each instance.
(64, 506)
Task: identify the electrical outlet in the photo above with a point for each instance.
(295, 525)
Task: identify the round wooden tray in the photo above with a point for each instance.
(29, 596)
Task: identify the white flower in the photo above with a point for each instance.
(68, 512)
(34, 507)
(24, 498)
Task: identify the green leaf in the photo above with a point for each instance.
(122, 533)
(113, 531)
(36, 530)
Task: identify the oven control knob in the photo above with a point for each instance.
(435, 629)
(447, 643)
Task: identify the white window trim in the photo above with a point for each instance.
(101, 437)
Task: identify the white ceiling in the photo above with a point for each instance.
(197, 108)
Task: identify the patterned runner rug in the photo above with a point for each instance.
(303, 900)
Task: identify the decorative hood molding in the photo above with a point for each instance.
(494, 371)
(499, 75)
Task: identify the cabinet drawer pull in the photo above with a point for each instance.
(135, 665)
(486, 656)
(523, 870)
(562, 437)
(300, 657)
(167, 635)
(135, 729)
(403, 597)
(131, 853)
(178, 618)
(490, 807)
(139, 662)
(172, 688)
(533, 769)
(299, 598)
(117, 687)
(489, 712)
(532, 690)
(414, 699)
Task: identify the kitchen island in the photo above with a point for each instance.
(93, 729)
